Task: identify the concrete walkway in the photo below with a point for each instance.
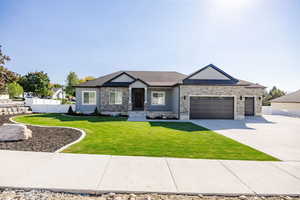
(97, 173)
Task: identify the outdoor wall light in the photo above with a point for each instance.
(241, 98)
(184, 97)
(259, 98)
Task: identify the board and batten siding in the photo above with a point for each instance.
(79, 100)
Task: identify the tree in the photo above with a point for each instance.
(72, 80)
(55, 85)
(87, 78)
(272, 94)
(14, 90)
(36, 82)
(6, 76)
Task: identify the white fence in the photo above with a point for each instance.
(38, 101)
(268, 110)
(63, 108)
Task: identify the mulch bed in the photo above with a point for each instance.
(43, 139)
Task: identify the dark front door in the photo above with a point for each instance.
(138, 98)
(249, 106)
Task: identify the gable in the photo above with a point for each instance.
(124, 78)
(138, 84)
(209, 73)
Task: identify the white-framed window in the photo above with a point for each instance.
(89, 97)
(158, 98)
(115, 97)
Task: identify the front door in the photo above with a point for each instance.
(138, 98)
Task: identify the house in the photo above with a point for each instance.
(208, 93)
(289, 104)
(58, 93)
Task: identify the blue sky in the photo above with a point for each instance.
(254, 40)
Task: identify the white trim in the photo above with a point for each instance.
(235, 116)
(83, 134)
(162, 92)
(82, 97)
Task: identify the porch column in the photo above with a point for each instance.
(145, 100)
(129, 99)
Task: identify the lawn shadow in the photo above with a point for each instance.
(180, 126)
(69, 118)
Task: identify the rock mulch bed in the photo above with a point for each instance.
(47, 195)
(43, 139)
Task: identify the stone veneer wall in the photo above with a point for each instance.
(105, 107)
(86, 108)
(236, 91)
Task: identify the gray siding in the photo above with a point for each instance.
(168, 104)
(86, 108)
(175, 99)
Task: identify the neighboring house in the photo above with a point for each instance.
(289, 103)
(58, 93)
(208, 93)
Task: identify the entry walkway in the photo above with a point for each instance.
(99, 173)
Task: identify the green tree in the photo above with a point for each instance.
(14, 90)
(36, 82)
(87, 78)
(272, 94)
(6, 76)
(72, 80)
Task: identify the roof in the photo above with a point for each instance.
(164, 78)
(293, 97)
(152, 78)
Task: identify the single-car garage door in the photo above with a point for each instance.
(249, 106)
(211, 107)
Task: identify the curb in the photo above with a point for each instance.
(83, 134)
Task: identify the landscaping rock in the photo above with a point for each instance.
(14, 132)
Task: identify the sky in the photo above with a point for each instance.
(253, 40)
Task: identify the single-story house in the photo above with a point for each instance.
(208, 93)
(289, 103)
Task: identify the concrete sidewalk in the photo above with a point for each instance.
(97, 173)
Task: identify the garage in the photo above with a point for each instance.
(211, 107)
(249, 106)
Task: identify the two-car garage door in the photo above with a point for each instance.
(211, 107)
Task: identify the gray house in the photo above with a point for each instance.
(208, 93)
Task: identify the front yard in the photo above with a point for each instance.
(117, 136)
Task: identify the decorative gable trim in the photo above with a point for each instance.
(110, 82)
(229, 81)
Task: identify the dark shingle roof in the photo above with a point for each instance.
(153, 78)
(156, 78)
(293, 97)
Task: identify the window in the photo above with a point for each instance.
(158, 98)
(89, 97)
(115, 97)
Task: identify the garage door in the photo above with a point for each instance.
(211, 108)
(249, 106)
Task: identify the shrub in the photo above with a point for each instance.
(70, 111)
(96, 112)
(14, 90)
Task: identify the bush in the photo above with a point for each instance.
(96, 112)
(14, 90)
(70, 111)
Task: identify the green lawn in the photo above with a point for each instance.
(116, 136)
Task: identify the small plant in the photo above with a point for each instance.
(96, 111)
(70, 111)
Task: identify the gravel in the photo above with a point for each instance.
(43, 139)
(8, 194)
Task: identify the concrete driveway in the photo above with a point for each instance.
(275, 135)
